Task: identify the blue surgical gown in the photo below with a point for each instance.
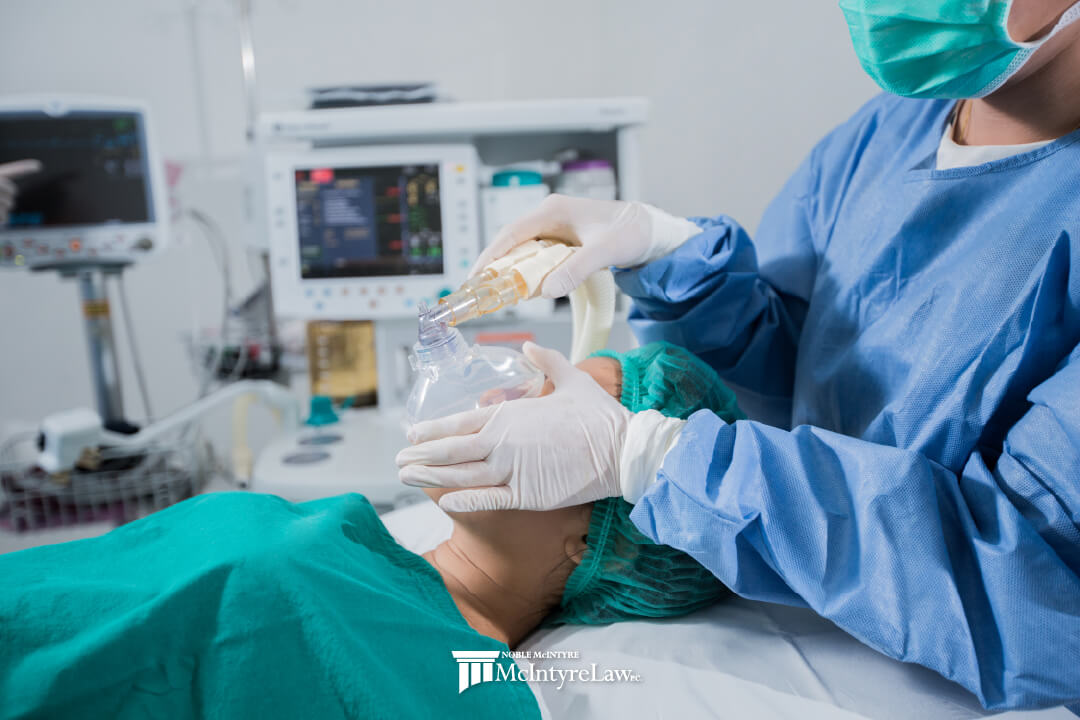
(913, 334)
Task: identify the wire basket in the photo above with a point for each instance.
(113, 485)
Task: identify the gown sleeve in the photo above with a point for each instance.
(971, 572)
(737, 304)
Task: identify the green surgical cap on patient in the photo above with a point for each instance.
(624, 575)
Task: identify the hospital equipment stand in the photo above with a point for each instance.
(100, 344)
(104, 369)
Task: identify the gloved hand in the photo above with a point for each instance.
(609, 232)
(567, 448)
(534, 453)
(8, 173)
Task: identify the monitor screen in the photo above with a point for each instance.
(94, 168)
(369, 221)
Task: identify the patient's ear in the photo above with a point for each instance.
(575, 548)
(577, 531)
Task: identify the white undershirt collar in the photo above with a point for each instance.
(952, 155)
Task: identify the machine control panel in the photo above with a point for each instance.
(370, 232)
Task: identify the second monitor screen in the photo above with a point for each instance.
(369, 221)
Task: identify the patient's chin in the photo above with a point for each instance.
(469, 518)
(435, 493)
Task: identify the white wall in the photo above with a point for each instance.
(740, 91)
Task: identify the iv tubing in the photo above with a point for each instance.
(265, 391)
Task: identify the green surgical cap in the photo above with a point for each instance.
(624, 575)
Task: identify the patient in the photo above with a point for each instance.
(241, 605)
(508, 571)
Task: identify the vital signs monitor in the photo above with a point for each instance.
(98, 199)
(370, 232)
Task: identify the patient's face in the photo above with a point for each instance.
(607, 372)
(565, 528)
(527, 555)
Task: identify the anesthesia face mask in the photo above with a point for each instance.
(454, 376)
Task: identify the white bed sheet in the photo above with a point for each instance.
(737, 659)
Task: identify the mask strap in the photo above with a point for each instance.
(1027, 49)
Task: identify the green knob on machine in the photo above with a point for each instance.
(516, 178)
(322, 411)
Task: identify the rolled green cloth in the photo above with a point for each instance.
(237, 605)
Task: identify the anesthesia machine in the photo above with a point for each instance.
(373, 213)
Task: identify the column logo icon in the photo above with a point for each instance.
(475, 667)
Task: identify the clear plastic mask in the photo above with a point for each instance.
(453, 376)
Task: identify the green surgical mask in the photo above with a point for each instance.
(940, 48)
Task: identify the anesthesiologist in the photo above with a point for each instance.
(910, 309)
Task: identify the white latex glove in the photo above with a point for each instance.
(531, 454)
(609, 232)
(574, 446)
(8, 190)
